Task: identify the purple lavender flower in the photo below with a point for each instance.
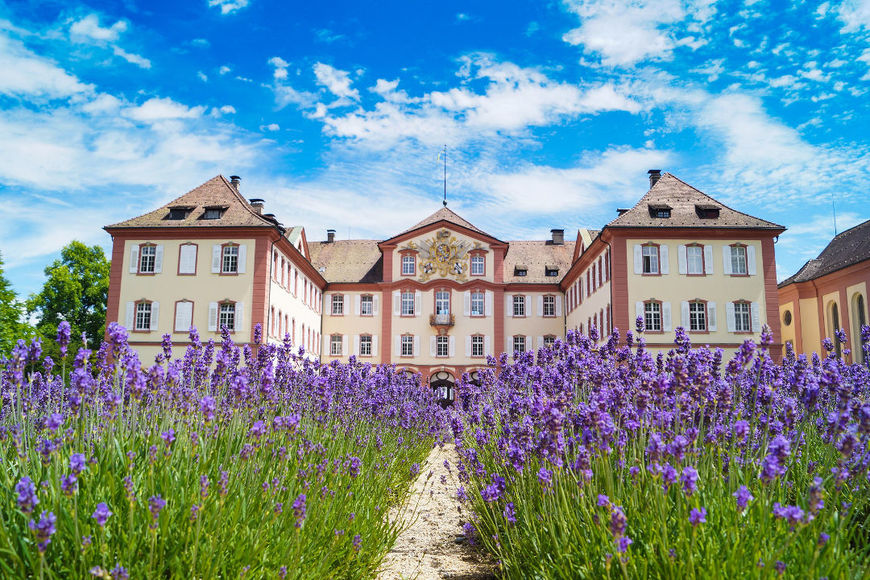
(697, 516)
(357, 543)
(300, 509)
(510, 513)
(156, 505)
(63, 336)
(603, 500)
(780, 567)
(823, 539)
(669, 476)
(545, 476)
(27, 499)
(623, 543)
(461, 495)
(618, 521)
(354, 466)
(54, 421)
(69, 485)
(168, 437)
(203, 486)
(258, 430)
(690, 480)
(207, 405)
(119, 573)
(743, 496)
(77, 463)
(44, 529)
(817, 494)
(792, 513)
(102, 514)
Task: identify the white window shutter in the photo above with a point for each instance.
(558, 306)
(711, 316)
(155, 315)
(357, 300)
(708, 259)
(131, 312)
(527, 340)
(638, 259)
(216, 259)
(508, 305)
(487, 345)
(376, 304)
(243, 258)
(540, 305)
(638, 309)
(528, 304)
(356, 344)
(432, 345)
(750, 261)
(451, 345)
(158, 259)
(682, 259)
(212, 316)
(665, 262)
(466, 302)
(729, 314)
(134, 259)
(418, 310)
(187, 259)
(756, 317)
(329, 303)
(666, 316)
(239, 322)
(684, 314)
(397, 303)
(508, 344)
(343, 345)
(178, 325)
(416, 345)
(540, 342)
(726, 261)
(375, 345)
(397, 346)
(467, 346)
(487, 303)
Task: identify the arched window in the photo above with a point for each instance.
(835, 326)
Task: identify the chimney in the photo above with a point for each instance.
(257, 204)
(235, 180)
(558, 237)
(654, 176)
(330, 236)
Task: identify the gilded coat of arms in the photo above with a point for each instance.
(443, 256)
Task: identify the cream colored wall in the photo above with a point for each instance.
(591, 306)
(168, 287)
(533, 325)
(788, 331)
(827, 300)
(811, 339)
(422, 243)
(716, 287)
(285, 303)
(351, 324)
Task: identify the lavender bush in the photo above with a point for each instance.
(606, 461)
(220, 462)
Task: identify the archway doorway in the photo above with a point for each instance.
(444, 386)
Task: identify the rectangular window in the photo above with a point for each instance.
(365, 345)
(477, 346)
(338, 305)
(409, 265)
(742, 317)
(212, 213)
(227, 316)
(551, 272)
(407, 304)
(147, 258)
(335, 345)
(738, 260)
(478, 265)
(549, 340)
(442, 302)
(650, 259)
(407, 345)
(519, 305)
(187, 259)
(652, 314)
(367, 306)
(519, 344)
(695, 260)
(230, 260)
(697, 316)
(143, 316)
(442, 346)
(549, 306)
(477, 304)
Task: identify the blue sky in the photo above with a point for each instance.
(334, 112)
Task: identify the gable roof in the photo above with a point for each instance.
(682, 200)
(443, 214)
(847, 248)
(348, 260)
(216, 192)
(536, 256)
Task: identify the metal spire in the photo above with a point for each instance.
(444, 154)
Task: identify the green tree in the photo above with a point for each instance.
(12, 324)
(76, 290)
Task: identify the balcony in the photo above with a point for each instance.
(442, 320)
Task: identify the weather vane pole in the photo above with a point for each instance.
(445, 175)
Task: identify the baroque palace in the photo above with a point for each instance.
(440, 296)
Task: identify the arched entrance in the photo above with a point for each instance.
(444, 387)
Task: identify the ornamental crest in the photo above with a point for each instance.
(444, 256)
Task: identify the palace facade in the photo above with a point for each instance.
(441, 296)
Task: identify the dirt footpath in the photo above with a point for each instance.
(434, 547)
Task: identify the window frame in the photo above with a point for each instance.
(224, 248)
(703, 271)
(706, 314)
(442, 341)
(551, 338)
(221, 306)
(552, 298)
(333, 303)
(482, 295)
(413, 299)
(178, 271)
(371, 303)
(482, 343)
(658, 250)
(362, 338)
(449, 301)
(472, 255)
(514, 306)
(646, 324)
(408, 254)
(332, 343)
(141, 255)
(406, 339)
(745, 273)
(748, 305)
(514, 339)
(139, 303)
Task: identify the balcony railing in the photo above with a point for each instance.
(441, 320)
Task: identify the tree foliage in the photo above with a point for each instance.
(76, 290)
(12, 324)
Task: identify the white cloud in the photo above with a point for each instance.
(89, 27)
(271, 127)
(855, 15)
(224, 70)
(202, 76)
(159, 109)
(139, 61)
(336, 81)
(26, 74)
(228, 6)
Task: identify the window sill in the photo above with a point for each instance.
(229, 274)
(739, 275)
(146, 273)
(143, 331)
(645, 274)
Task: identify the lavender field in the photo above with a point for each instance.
(592, 462)
(210, 463)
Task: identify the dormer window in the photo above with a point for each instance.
(213, 212)
(551, 271)
(659, 211)
(179, 212)
(707, 211)
(520, 271)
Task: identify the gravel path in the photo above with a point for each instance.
(434, 547)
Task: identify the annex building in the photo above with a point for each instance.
(439, 297)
